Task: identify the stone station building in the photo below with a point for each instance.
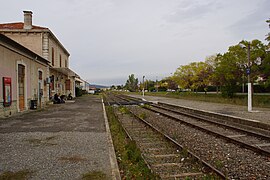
(40, 42)
(23, 77)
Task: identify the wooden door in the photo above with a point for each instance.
(21, 86)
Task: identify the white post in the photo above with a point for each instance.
(143, 87)
(249, 97)
(249, 82)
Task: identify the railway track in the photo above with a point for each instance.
(255, 139)
(117, 99)
(164, 156)
(245, 146)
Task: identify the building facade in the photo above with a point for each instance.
(23, 78)
(43, 42)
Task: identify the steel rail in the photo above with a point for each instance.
(240, 143)
(129, 136)
(219, 173)
(259, 135)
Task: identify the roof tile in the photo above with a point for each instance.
(18, 25)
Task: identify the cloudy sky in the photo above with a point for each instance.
(110, 39)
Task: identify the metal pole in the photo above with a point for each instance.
(156, 84)
(143, 86)
(249, 83)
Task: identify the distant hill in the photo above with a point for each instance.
(98, 86)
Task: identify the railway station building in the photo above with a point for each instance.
(23, 78)
(44, 43)
(34, 63)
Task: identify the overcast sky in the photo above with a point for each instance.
(110, 39)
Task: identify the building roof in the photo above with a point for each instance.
(17, 25)
(13, 45)
(66, 71)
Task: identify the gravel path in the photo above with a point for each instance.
(65, 141)
(260, 114)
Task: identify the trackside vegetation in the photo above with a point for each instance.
(130, 162)
(258, 100)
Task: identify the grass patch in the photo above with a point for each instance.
(184, 152)
(143, 115)
(73, 159)
(145, 106)
(219, 164)
(40, 142)
(130, 161)
(19, 175)
(257, 100)
(95, 175)
(124, 110)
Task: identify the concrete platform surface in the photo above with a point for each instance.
(259, 114)
(64, 141)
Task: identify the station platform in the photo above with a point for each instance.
(63, 141)
(261, 115)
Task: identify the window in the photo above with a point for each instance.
(52, 56)
(40, 75)
(52, 82)
(66, 63)
(60, 57)
(68, 84)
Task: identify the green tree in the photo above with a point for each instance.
(132, 83)
(268, 35)
(149, 85)
(113, 87)
(228, 73)
(170, 83)
(231, 67)
(212, 62)
(257, 56)
(193, 76)
(265, 69)
(119, 87)
(182, 76)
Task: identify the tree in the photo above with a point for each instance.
(171, 84)
(132, 83)
(193, 76)
(149, 85)
(182, 76)
(228, 73)
(257, 56)
(113, 87)
(232, 66)
(266, 61)
(212, 62)
(268, 35)
(119, 87)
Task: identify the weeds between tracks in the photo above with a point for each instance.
(131, 164)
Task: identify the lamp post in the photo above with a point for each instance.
(249, 83)
(248, 71)
(156, 84)
(143, 86)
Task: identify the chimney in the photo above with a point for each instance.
(27, 20)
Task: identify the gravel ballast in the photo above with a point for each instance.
(232, 160)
